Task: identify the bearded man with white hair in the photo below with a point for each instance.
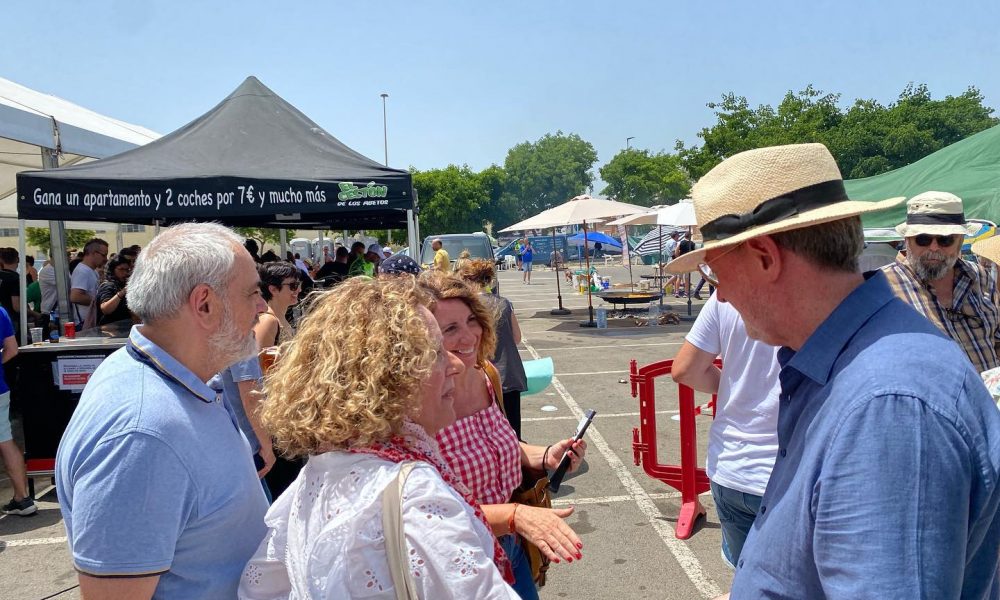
(958, 296)
(157, 489)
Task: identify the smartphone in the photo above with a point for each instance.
(556, 480)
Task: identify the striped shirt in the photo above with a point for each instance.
(973, 319)
(484, 452)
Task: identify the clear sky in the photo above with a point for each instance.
(468, 80)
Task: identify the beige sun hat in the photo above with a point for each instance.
(988, 249)
(769, 190)
(935, 213)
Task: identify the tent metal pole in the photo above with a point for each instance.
(320, 246)
(560, 310)
(283, 240)
(590, 300)
(57, 246)
(22, 272)
(411, 234)
(119, 237)
(660, 266)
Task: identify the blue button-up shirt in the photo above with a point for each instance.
(886, 480)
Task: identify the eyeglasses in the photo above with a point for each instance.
(706, 270)
(944, 241)
(294, 286)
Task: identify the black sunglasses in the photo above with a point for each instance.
(293, 285)
(944, 241)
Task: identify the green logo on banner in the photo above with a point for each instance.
(349, 191)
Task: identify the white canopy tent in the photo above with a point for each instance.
(41, 131)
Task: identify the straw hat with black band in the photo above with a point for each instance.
(769, 190)
(988, 249)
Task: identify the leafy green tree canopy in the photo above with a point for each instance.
(451, 200)
(638, 177)
(866, 139)
(548, 172)
(39, 238)
(262, 235)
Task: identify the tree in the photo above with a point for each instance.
(866, 139)
(262, 235)
(638, 177)
(39, 238)
(451, 200)
(547, 173)
(499, 207)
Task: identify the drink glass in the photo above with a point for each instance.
(267, 358)
(36, 336)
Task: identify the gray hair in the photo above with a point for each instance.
(175, 262)
(835, 245)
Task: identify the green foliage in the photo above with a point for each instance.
(263, 235)
(638, 177)
(39, 238)
(451, 200)
(547, 173)
(866, 139)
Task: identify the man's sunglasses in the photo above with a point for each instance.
(944, 241)
(294, 286)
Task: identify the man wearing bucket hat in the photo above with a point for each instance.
(958, 296)
(886, 483)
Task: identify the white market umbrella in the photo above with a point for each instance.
(577, 211)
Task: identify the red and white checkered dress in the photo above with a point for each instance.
(484, 452)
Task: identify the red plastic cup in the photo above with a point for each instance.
(69, 330)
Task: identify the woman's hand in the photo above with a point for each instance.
(545, 528)
(577, 450)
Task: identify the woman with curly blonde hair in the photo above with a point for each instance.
(361, 391)
(482, 447)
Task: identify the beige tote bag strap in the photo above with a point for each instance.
(395, 540)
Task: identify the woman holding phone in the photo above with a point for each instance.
(482, 447)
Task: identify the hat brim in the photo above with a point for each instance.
(988, 249)
(906, 230)
(841, 210)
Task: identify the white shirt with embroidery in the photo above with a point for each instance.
(325, 537)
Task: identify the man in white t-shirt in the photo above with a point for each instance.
(743, 440)
(84, 281)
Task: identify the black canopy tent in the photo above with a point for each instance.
(254, 159)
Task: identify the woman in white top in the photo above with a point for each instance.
(358, 405)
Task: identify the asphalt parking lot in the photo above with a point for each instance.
(625, 518)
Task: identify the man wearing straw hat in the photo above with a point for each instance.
(958, 296)
(886, 483)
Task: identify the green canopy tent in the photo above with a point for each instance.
(970, 169)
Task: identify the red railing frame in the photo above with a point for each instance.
(687, 477)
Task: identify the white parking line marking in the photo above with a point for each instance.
(610, 499)
(603, 416)
(32, 542)
(591, 373)
(605, 347)
(684, 556)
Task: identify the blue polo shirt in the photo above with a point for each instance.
(155, 478)
(227, 382)
(886, 479)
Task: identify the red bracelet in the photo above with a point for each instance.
(510, 520)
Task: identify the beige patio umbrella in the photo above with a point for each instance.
(580, 210)
(674, 215)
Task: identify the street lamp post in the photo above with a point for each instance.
(628, 140)
(385, 131)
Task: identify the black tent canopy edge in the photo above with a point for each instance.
(254, 159)
(230, 200)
